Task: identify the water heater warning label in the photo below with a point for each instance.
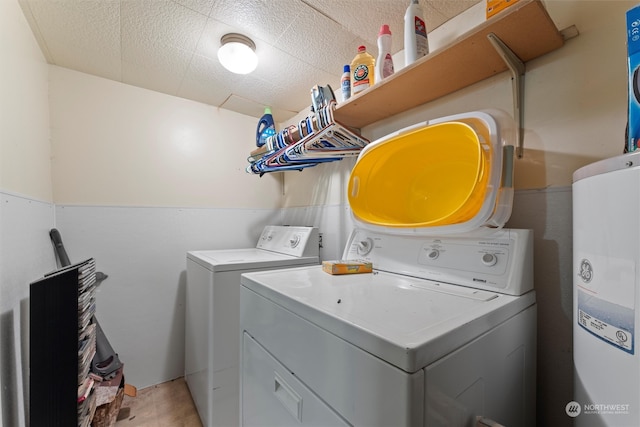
(609, 333)
(606, 291)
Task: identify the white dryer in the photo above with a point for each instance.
(212, 314)
(442, 333)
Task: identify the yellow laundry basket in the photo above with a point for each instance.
(431, 175)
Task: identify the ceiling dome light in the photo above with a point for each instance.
(238, 53)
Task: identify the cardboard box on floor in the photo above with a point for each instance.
(109, 395)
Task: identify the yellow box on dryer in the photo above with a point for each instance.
(346, 267)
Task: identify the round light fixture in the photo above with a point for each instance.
(238, 53)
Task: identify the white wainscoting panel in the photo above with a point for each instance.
(140, 306)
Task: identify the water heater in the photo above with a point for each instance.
(606, 252)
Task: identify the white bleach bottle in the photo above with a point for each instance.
(416, 44)
(384, 63)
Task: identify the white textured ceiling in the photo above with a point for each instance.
(170, 46)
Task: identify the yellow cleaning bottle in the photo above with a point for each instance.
(362, 71)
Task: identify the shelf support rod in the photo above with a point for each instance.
(517, 68)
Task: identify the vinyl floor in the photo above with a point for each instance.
(164, 405)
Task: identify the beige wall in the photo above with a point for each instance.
(26, 212)
(115, 144)
(575, 103)
(24, 111)
(139, 179)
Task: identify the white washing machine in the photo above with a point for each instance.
(442, 333)
(606, 300)
(212, 314)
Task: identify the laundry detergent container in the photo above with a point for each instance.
(448, 175)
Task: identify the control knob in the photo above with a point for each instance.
(364, 246)
(489, 259)
(295, 240)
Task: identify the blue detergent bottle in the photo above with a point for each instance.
(266, 127)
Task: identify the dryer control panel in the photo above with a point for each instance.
(500, 260)
(290, 240)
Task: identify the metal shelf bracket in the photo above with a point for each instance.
(517, 68)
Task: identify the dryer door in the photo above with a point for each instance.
(271, 396)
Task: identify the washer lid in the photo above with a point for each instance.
(243, 259)
(408, 322)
